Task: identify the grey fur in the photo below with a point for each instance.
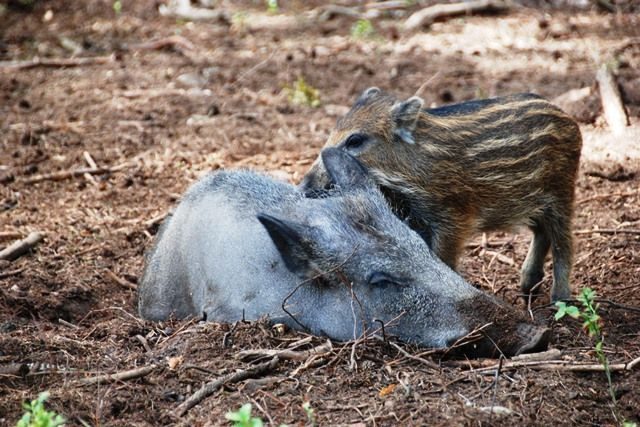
(214, 256)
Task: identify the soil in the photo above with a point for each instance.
(163, 116)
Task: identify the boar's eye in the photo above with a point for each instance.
(355, 141)
(383, 280)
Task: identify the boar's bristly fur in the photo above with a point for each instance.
(243, 246)
(483, 165)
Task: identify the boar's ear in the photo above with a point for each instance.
(344, 170)
(289, 239)
(405, 115)
(367, 94)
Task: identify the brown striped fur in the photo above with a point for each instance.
(477, 166)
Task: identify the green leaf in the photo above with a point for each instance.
(573, 311)
(37, 416)
(242, 417)
(566, 310)
(587, 296)
(562, 310)
(363, 28)
(25, 421)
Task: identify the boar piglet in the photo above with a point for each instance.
(483, 165)
(240, 244)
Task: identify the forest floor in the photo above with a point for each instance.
(169, 100)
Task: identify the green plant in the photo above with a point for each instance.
(301, 93)
(242, 417)
(272, 6)
(362, 29)
(239, 21)
(117, 7)
(37, 416)
(311, 417)
(592, 324)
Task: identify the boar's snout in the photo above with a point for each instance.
(316, 183)
(532, 338)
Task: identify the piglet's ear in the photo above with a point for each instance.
(368, 94)
(405, 115)
(289, 237)
(344, 170)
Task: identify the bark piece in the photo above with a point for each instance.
(21, 247)
(428, 15)
(612, 106)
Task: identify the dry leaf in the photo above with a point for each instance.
(387, 390)
(174, 362)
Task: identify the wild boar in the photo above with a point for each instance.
(483, 165)
(241, 245)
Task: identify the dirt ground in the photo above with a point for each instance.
(155, 116)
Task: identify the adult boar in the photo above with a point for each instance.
(241, 245)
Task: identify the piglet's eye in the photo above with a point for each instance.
(354, 141)
(382, 280)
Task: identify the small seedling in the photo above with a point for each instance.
(301, 93)
(362, 29)
(272, 6)
(242, 417)
(239, 21)
(592, 324)
(311, 417)
(117, 7)
(37, 416)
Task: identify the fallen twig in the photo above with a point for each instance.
(155, 220)
(92, 164)
(183, 9)
(488, 244)
(120, 281)
(286, 354)
(608, 231)
(68, 324)
(608, 196)
(119, 376)
(560, 365)
(552, 353)
(426, 362)
(159, 92)
(430, 14)
(15, 272)
(14, 370)
(313, 361)
(388, 5)
(618, 305)
(9, 235)
(498, 256)
(21, 247)
(330, 11)
(254, 384)
(62, 175)
(54, 62)
(209, 388)
(612, 106)
(87, 157)
(171, 41)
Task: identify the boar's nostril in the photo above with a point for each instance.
(316, 193)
